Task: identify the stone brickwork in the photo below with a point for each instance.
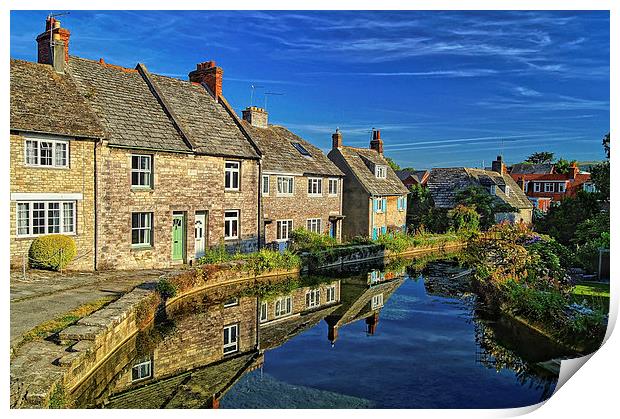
(391, 217)
(77, 178)
(183, 183)
(300, 206)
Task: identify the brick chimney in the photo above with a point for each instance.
(498, 165)
(256, 116)
(376, 143)
(210, 75)
(521, 183)
(573, 170)
(56, 52)
(337, 139)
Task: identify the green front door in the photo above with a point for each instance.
(178, 238)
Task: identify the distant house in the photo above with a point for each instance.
(413, 177)
(445, 184)
(543, 185)
(300, 186)
(374, 198)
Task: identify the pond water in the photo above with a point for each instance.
(398, 337)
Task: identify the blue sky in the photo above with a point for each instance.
(446, 88)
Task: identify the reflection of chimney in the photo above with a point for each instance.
(332, 334)
(376, 143)
(336, 139)
(573, 170)
(209, 74)
(371, 324)
(215, 403)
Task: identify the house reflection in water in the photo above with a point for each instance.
(210, 340)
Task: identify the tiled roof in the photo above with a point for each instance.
(417, 175)
(148, 111)
(47, 102)
(527, 168)
(210, 127)
(279, 155)
(361, 162)
(445, 184)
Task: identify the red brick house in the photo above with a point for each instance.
(413, 177)
(543, 185)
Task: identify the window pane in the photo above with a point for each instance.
(61, 154)
(53, 217)
(23, 218)
(38, 218)
(32, 152)
(67, 217)
(46, 153)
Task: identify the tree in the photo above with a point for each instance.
(562, 166)
(606, 144)
(392, 164)
(600, 173)
(540, 157)
(485, 204)
(464, 219)
(422, 214)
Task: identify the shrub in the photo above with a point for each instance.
(269, 260)
(215, 255)
(166, 289)
(464, 219)
(307, 241)
(54, 251)
(397, 242)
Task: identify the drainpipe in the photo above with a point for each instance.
(260, 201)
(96, 202)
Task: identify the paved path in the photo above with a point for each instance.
(44, 295)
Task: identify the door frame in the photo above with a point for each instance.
(205, 229)
(183, 217)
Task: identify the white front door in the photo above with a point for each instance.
(199, 233)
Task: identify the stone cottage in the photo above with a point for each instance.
(52, 162)
(170, 169)
(300, 186)
(445, 183)
(374, 198)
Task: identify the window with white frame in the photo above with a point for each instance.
(507, 190)
(561, 187)
(284, 228)
(314, 225)
(231, 175)
(141, 171)
(315, 186)
(265, 185)
(377, 301)
(333, 186)
(141, 229)
(283, 306)
(263, 312)
(231, 224)
(231, 338)
(536, 186)
(548, 187)
(381, 172)
(36, 218)
(231, 303)
(402, 203)
(142, 370)
(46, 153)
(285, 185)
(313, 298)
(330, 292)
(380, 204)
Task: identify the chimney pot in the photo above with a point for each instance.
(211, 75)
(337, 139)
(46, 47)
(499, 166)
(376, 143)
(257, 117)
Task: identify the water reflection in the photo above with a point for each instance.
(206, 344)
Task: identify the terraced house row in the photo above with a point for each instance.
(148, 171)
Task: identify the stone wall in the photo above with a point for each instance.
(299, 207)
(182, 183)
(391, 217)
(78, 178)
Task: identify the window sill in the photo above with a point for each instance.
(141, 247)
(230, 239)
(285, 195)
(34, 166)
(311, 195)
(232, 190)
(141, 189)
(34, 236)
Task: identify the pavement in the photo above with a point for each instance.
(43, 295)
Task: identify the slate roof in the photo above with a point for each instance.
(527, 169)
(133, 108)
(445, 183)
(361, 161)
(279, 155)
(417, 175)
(47, 102)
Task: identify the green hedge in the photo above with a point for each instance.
(54, 251)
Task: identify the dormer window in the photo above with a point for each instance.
(507, 190)
(492, 190)
(302, 150)
(381, 172)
